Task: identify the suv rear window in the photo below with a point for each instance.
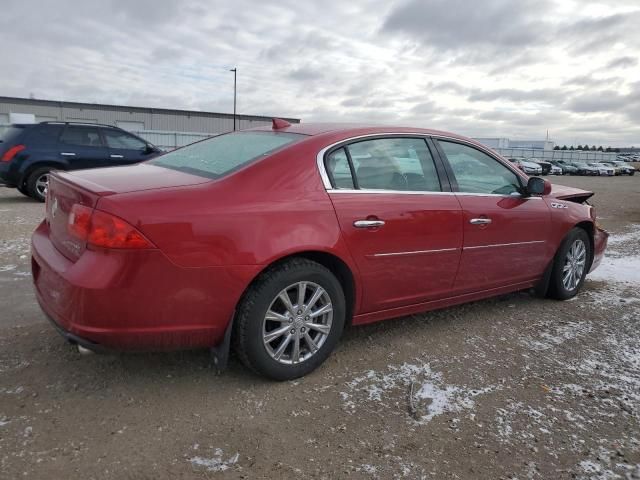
(223, 154)
(11, 133)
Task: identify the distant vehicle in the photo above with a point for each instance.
(625, 167)
(616, 168)
(277, 238)
(556, 170)
(28, 152)
(530, 168)
(546, 166)
(585, 169)
(567, 168)
(603, 169)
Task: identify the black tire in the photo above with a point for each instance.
(251, 312)
(557, 288)
(23, 191)
(32, 183)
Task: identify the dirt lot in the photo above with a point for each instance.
(513, 387)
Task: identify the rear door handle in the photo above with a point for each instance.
(368, 223)
(116, 156)
(480, 221)
(68, 154)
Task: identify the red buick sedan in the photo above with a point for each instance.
(274, 239)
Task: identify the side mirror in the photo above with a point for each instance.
(149, 148)
(538, 186)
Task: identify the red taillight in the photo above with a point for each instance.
(102, 229)
(79, 223)
(12, 152)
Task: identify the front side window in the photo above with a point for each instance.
(401, 164)
(223, 154)
(477, 172)
(118, 139)
(81, 136)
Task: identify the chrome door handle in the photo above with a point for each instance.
(480, 221)
(116, 156)
(368, 223)
(68, 154)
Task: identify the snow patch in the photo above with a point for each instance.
(619, 270)
(422, 390)
(216, 463)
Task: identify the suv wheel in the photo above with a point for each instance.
(38, 183)
(23, 190)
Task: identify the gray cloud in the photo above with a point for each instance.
(457, 24)
(484, 68)
(623, 62)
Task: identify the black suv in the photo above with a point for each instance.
(28, 152)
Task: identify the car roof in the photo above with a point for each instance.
(355, 129)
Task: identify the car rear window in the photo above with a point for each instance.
(223, 154)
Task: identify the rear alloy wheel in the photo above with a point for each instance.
(570, 265)
(38, 183)
(290, 320)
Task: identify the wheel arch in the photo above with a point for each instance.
(589, 228)
(36, 165)
(332, 262)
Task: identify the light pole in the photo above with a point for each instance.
(235, 74)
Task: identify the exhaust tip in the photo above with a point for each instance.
(84, 351)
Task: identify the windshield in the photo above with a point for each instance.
(223, 154)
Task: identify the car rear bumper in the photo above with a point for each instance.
(134, 300)
(600, 239)
(6, 176)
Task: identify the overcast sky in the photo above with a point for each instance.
(507, 68)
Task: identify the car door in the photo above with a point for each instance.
(124, 148)
(403, 231)
(81, 146)
(505, 233)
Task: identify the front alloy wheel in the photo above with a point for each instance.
(574, 264)
(570, 265)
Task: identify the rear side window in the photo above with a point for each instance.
(81, 136)
(400, 164)
(338, 168)
(223, 154)
(47, 134)
(118, 139)
(11, 133)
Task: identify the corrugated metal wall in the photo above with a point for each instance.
(162, 120)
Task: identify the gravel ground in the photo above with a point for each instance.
(513, 387)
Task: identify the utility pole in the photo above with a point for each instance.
(235, 74)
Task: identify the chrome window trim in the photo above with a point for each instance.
(425, 192)
(326, 181)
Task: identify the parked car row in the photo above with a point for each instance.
(533, 166)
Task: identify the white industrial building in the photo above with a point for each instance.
(166, 128)
(499, 142)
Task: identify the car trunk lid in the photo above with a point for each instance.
(86, 187)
